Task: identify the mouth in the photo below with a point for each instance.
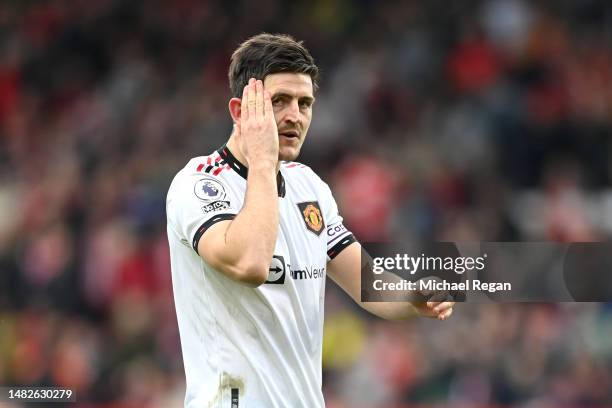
(290, 134)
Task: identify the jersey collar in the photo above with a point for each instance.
(243, 170)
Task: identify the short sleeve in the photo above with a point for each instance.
(195, 203)
(338, 236)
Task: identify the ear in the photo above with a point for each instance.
(235, 105)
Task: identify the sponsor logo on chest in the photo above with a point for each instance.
(278, 271)
(308, 273)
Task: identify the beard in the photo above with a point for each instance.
(288, 151)
(288, 154)
(289, 147)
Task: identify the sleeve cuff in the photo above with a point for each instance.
(209, 223)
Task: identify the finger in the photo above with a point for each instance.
(259, 99)
(432, 304)
(443, 306)
(446, 314)
(268, 104)
(251, 100)
(244, 111)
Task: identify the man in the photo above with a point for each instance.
(253, 235)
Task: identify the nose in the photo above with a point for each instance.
(292, 112)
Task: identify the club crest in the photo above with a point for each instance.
(311, 214)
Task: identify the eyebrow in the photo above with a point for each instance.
(287, 94)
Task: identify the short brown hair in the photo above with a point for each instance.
(266, 54)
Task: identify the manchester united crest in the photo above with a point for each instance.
(311, 214)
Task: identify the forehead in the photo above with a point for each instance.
(292, 83)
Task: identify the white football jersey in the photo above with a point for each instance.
(242, 346)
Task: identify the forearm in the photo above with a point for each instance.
(347, 270)
(252, 234)
(242, 249)
(397, 305)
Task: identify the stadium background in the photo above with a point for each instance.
(454, 121)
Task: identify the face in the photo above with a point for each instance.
(292, 99)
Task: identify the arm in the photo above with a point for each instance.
(243, 247)
(345, 270)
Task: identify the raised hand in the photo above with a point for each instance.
(257, 132)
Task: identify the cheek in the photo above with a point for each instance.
(306, 118)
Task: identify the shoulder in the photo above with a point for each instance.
(302, 174)
(298, 170)
(212, 165)
(198, 170)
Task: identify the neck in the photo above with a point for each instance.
(233, 146)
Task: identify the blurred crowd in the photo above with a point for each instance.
(449, 121)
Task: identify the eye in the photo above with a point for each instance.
(277, 102)
(305, 104)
